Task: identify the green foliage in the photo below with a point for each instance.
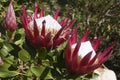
(22, 61)
(24, 55)
(5, 74)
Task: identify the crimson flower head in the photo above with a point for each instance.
(45, 31)
(81, 57)
(10, 20)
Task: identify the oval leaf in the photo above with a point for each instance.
(24, 55)
(5, 74)
(37, 70)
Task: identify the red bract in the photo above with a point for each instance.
(81, 57)
(46, 31)
(10, 20)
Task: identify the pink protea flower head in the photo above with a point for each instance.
(81, 57)
(10, 20)
(46, 31)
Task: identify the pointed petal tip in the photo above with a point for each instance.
(36, 4)
(11, 3)
(96, 42)
(58, 10)
(106, 54)
(42, 12)
(95, 37)
(111, 46)
(10, 8)
(73, 37)
(35, 10)
(23, 6)
(85, 36)
(88, 29)
(44, 22)
(56, 13)
(69, 14)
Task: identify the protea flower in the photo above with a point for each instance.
(81, 57)
(46, 31)
(10, 20)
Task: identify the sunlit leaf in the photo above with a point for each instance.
(7, 46)
(24, 55)
(9, 59)
(5, 66)
(5, 74)
(4, 52)
(37, 70)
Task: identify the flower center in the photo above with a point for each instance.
(51, 24)
(84, 49)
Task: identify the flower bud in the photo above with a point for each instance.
(10, 20)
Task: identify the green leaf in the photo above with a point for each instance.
(5, 66)
(7, 46)
(94, 75)
(19, 36)
(1, 44)
(56, 74)
(4, 52)
(37, 70)
(5, 74)
(15, 51)
(24, 55)
(9, 34)
(28, 72)
(46, 74)
(61, 47)
(9, 59)
(42, 53)
(1, 40)
(29, 78)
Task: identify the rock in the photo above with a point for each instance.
(104, 74)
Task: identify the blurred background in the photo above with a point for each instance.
(102, 16)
